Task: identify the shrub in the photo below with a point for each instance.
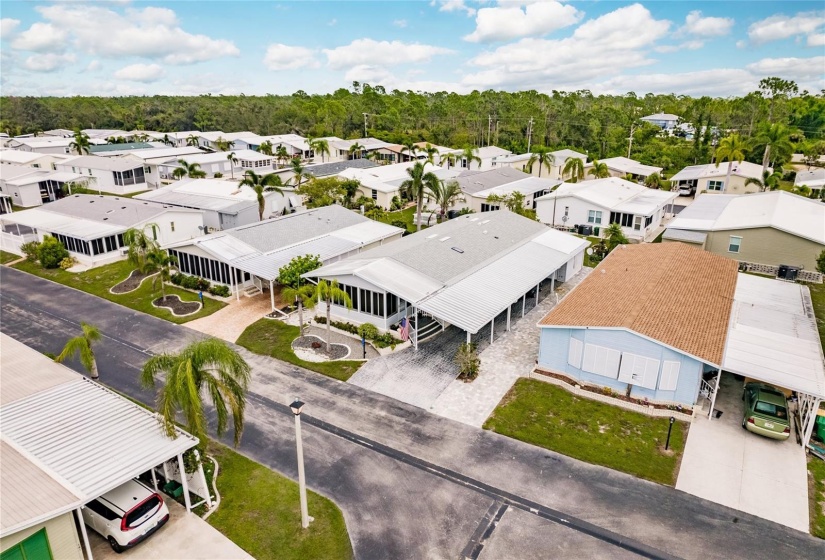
(219, 290)
(395, 204)
(68, 263)
(384, 340)
(177, 278)
(218, 175)
(468, 361)
(51, 252)
(31, 249)
(190, 282)
(399, 224)
(368, 331)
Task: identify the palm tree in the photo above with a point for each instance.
(265, 148)
(541, 155)
(193, 141)
(232, 161)
(281, 154)
(82, 346)
(179, 173)
(444, 195)
(141, 243)
(205, 367)
(162, 262)
(298, 173)
(320, 146)
(166, 140)
(776, 139)
(614, 236)
(193, 170)
(449, 158)
(802, 190)
(415, 185)
(304, 296)
(768, 182)
(261, 184)
(223, 145)
(574, 168)
(599, 170)
(81, 143)
(410, 148)
(431, 152)
(330, 292)
(470, 154)
(356, 148)
(375, 212)
(730, 148)
(654, 181)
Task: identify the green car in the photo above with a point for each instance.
(766, 411)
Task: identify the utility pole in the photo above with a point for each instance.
(365, 124)
(630, 139)
(529, 133)
(489, 127)
(496, 132)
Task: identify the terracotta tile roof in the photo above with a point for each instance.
(671, 292)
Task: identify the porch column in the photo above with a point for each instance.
(552, 284)
(538, 288)
(414, 332)
(272, 294)
(523, 303)
(184, 483)
(469, 337)
(715, 392)
(208, 496)
(237, 285)
(492, 329)
(154, 479)
(809, 425)
(83, 533)
(18, 229)
(509, 307)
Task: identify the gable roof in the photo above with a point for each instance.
(492, 152)
(615, 194)
(740, 169)
(627, 165)
(472, 182)
(815, 178)
(788, 212)
(98, 162)
(633, 289)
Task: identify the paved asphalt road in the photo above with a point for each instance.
(411, 484)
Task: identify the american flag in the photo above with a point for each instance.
(404, 331)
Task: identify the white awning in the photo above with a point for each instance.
(41, 219)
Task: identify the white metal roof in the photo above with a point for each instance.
(815, 178)
(684, 235)
(740, 168)
(627, 165)
(614, 193)
(19, 157)
(82, 436)
(39, 218)
(527, 186)
(773, 337)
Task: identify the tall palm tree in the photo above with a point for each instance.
(281, 154)
(431, 152)
(599, 170)
(449, 158)
(730, 148)
(574, 168)
(654, 181)
(320, 146)
(356, 149)
(298, 172)
(777, 142)
(330, 292)
(161, 262)
(768, 182)
(203, 368)
(541, 155)
(82, 346)
(415, 185)
(470, 154)
(265, 148)
(232, 161)
(261, 184)
(444, 195)
(410, 148)
(193, 141)
(81, 143)
(141, 243)
(193, 170)
(304, 296)
(223, 145)
(166, 140)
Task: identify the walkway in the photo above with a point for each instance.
(229, 322)
(511, 356)
(730, 466)
(356, 352)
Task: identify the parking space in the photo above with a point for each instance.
(728, 465)
(184, 537)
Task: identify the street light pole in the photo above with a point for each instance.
(296, 410)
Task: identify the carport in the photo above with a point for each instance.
(68, 440)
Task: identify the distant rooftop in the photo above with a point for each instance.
(119, 147)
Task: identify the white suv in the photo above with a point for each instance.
(126, 515)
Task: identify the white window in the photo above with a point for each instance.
(594, 217)
(637, 223)
(734, 244)
(172, 224)
(601, 360)
(715, 185)
(639, 370)
(574, 353)
(670, 376)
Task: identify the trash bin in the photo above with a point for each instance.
(452, 214)
(820, 428)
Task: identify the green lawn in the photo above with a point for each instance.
(7, 257)
(816, 468)
(273, 338)
(818, 299)
(260, 512)
(97, 281)
(542, 414)
(407, 216)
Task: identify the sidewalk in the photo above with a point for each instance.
(511, 356)
(229, 322)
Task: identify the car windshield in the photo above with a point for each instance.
(770, 409)
(133, 517)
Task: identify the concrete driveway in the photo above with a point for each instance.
(730, 466)
(184, 537)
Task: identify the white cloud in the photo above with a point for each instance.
(333, 22)
(48, 62)
(7, 27)
(41, 37)
(93, 66)
(716, 82)
(148, 32)
(695, 24)
(503, 23)
(144, 73)
(375, 75)
(402, 23)
(366, 51)
(599, 48)
(781, 26)
(816, 40)
(453, 6)
(798, 69)
(285, 57)
(687, 45)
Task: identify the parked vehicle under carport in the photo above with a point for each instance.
(766, 411)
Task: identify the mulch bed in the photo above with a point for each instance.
(176, 306)
(131, 284)
(318, 346)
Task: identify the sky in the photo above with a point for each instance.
(122, 47)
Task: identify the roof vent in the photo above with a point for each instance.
(431, 236)
(91, 202)
(123, 208)
(484, 232)
(485, 221)
(105, 219)
(457, 250)
(109, 211)
(445, 238)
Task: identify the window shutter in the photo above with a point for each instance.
(589, 360)
(574, 353)
(601, 360)
(626, 371)
(639, 370)
(611, 368)
(670, 376)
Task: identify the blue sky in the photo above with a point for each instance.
(143, 47)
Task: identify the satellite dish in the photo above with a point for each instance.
(589, 251)
(564, 218)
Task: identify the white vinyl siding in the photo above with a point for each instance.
(670, 376)
(601, 361)
(574, 353)
(639, 370)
